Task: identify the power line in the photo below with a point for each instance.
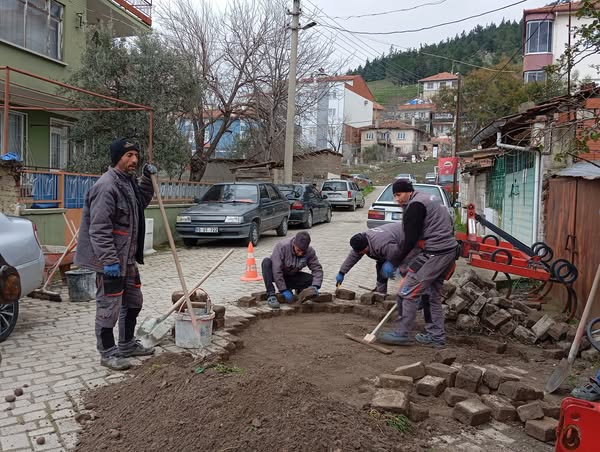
(415, 30)
(388, 12)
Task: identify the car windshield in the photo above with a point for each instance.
(335, 186)
(231, 193)
(430, 176)
(388, 196)
(403, 176)
(446, 178)
(291, 191)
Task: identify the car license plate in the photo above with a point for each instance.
(396, 215)
(334, 195)
(207, 230)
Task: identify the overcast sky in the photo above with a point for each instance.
(355, 49)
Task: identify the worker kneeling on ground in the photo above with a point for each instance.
(282, 269)
(424, 219)
(111, 241)
(384, 244)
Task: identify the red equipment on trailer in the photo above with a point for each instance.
(512, 257)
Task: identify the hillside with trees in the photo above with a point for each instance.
(482, 46)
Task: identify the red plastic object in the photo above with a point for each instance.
(578, 426)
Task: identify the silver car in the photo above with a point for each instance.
(343, 193)
(386, 210)
(21, 268)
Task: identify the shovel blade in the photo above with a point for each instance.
(559, 375)
(151, 332)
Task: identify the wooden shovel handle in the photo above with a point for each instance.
(174, 250)
(584, 317)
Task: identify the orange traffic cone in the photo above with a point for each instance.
(251, 273)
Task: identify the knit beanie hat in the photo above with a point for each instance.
(118, 148)
(402, 186)
(302, 240)
(359, 242)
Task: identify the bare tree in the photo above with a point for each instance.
(240, 62)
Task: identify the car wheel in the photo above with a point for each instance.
(190, 242)
(282, 229)
(253, 235)
(362, 203)
(309, 221)
(353, 206)
(328, 217)
(8, 319)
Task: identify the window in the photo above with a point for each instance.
(401, 136)
(333, 94)
(16, 133)
(231, 193)
(369, 136)
(34, 24)
(535, 76)
(264, 194)
(272, 193)
(442, 84)
(61, 150)
(331, 112)
(539, 36)
(429, 85)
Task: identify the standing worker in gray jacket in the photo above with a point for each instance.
(111, 242)
(283, 268)
(424, 219)
(384, 244)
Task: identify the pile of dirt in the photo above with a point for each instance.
(167, 405)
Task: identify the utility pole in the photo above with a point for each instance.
(288, 160)
(456, 136)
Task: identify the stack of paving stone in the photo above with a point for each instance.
(476, 394)
(474, 304)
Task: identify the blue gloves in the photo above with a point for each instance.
(112, 270)
(288, 295)
(339, 278)
(316, 289)
(388, 269)
(149, 169)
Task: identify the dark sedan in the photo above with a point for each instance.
(235, 211)
(307, 205)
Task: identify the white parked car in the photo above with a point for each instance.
(406, 176)
(343, 193)
(21, 268)
(386, 210)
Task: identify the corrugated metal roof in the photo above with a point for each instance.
(585, 170)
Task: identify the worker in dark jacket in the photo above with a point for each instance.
(383, 244)
(426, 220)
(111, 242)
(283, 268)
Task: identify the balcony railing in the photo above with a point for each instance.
(60, 189)
(142, 9)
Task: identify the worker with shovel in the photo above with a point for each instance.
(283, 269)
(384, 244)
(111, 242)
(426, 220)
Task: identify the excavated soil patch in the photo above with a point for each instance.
(302, 386)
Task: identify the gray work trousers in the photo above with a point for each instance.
(426, 275)
(117, 299)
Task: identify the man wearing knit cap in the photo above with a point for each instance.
(425, 219)
(283, 268)
(383, 244)
(111, 242)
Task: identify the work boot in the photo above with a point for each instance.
(393, 338)
(428, 339)
(272, 302)
(135, 348)
(115, 363)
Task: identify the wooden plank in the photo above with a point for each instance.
(379, 348)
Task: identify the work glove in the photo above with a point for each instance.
(339, 278)
(388, 270)
(287, 294)
(316, 289)
(112, 270)
(149, 169)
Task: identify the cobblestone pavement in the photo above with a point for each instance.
(51, 354)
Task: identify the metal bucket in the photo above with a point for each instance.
(185, 334)
(82, 284)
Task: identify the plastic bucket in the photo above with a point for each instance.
(82, 285)
(186, 336)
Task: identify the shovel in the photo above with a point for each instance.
(563, 370)
(153, 329)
